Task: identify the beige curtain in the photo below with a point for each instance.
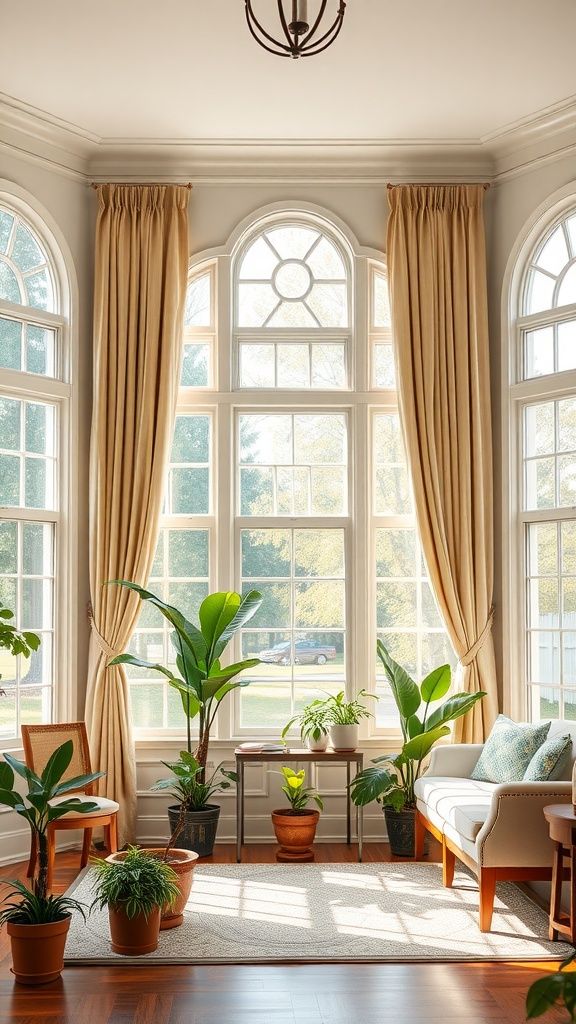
(140, 288)
(437, 279)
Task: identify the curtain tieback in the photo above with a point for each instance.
(471, 653)
(102, 643)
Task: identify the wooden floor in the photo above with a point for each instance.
(293, 994)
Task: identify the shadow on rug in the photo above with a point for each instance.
(266, 913)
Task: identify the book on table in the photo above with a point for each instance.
(262, 747)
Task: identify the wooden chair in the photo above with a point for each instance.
(40, 742)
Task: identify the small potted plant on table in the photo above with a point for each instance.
(344, 717)
(38, 923)
(393, 785)
(295, 829)
(314, 720)
(135, 885)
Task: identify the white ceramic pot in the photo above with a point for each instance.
(344, 737)
(320, 744)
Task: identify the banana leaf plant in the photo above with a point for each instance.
(36, 807)
(202, 682)
(393, 784)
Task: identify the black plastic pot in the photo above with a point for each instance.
(199, 832)
(401, 828)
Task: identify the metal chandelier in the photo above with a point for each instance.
(300, 37)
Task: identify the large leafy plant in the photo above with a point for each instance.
(393, 784)
(558, 989)
(37, 907)
(202, 682)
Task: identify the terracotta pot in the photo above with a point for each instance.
(183, 863)
(133, 936)
(295, 834)
(38, 951)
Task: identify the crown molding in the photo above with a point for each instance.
(72, 151)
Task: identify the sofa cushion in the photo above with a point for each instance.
(550, 760)
(508, 750)
(462, 803)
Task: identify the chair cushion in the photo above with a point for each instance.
(508, 750)
(105, 806)
(550, 760)
(461, 803)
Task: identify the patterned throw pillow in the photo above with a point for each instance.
(508, 750)
(550, 760)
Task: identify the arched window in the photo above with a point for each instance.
(34, 400)
(287, 476)
(544, 412)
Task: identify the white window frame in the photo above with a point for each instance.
(60, 392)
(517, 394)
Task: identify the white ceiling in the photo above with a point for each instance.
(406, 70)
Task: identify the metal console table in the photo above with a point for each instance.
(348, 757)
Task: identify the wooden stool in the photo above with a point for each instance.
(562, 821)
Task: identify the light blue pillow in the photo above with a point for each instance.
(550, 760)
(509, 750)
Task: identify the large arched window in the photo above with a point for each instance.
(34, 416)
(287, 476)
(544, 414)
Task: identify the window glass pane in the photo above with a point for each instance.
(554, 254)
(539, 421)
(391, 487)
(293, 366)
(39, 290)
(293, 314)
(257, 366)
(381, 307)
(567, 425)
(568, 542)
(543, 549)
(540, 292)
(396, 552)
(198, 303)
(567, 345)
(10, 477)
(384, 371)
(292, 242)
(26, 254)
(567, 291)
(539, 352)
(255, 304)
(299, 631)
(328, 304)
(567, 481)
(6, 226)
(9, 288)
(328, 365)
(259, 261)
(195, 366)
(325, 261)
(10, 344)
(8, 548)
(40, 350)
(10, 411)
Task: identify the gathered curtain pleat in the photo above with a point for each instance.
(438, 298)
(140, 292)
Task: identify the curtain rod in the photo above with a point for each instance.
(439, 184)
(96, 184)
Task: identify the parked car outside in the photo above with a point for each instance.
(306, 652)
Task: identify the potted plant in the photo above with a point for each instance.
(202, 682)
(37, 922)
(135, 885)
(344, 717)
(192, 815)
(314, 722)
(295, 829)
(557, 989)
(393, 785)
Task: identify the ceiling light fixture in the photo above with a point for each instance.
(301, 38)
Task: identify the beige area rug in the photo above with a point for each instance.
(269, 913)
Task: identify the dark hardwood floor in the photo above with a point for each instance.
(292, 994)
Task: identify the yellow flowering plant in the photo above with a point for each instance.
(298, 794)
